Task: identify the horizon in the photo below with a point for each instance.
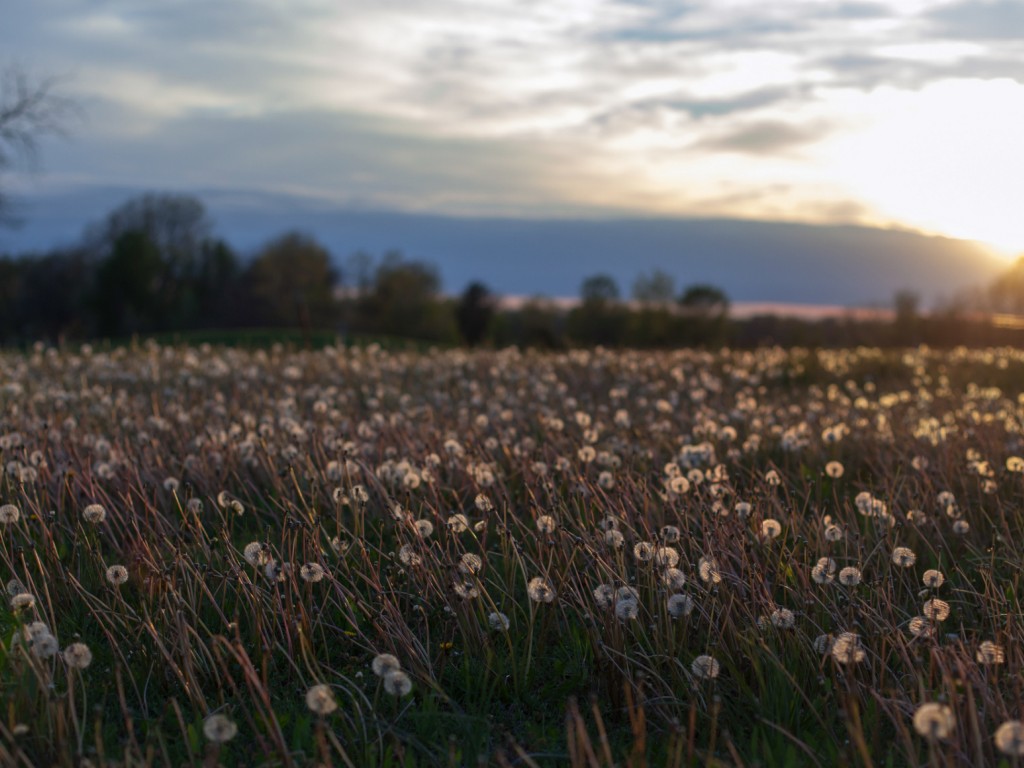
(900, 114)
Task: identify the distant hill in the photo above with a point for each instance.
(751, 260)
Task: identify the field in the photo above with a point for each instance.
(357, 557)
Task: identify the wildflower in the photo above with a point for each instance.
(771, 477)
(824, 571)
(320, 700)
(673, 578)
(44, 645)
(670, 534)
(606, 480)
(94, 513)
(256, 554)
(1015, 464)
(397, 683)
(990, 653)
(22, 600)
(679, 485)
(470, 563)
(936, 609)
(546, 524)
(1009, 738)
(117, 575)
(904, 557)
(680, 605)
(705, 667)
(9, 514)
(540, 591)
(407, 555)
(219, 728)
(614, 538)
(961, 527)
(743, 509)
(934, 721)
(770, 529)
(498, 621)
(783, 618)
(383, 663)
(643, 551)
(849, 576)
(917, 517)
(312, 572)
(604, 595)
(846, 648)
(932, 578)
(466, 590)
(919, 626)
(666, 557)
(834, 469)
(483, 504)
(78, 656)
(423, 528)
(626, 609)
(833, 533)
(707, 569)
(458, 523)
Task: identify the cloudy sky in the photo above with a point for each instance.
(904, 113)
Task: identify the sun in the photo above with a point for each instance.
(945, 159)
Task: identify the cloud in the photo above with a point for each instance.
(999, 20)
(766, 137)
(514, 105)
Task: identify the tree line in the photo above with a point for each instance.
(155, 266)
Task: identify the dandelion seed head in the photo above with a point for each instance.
(850, 576)
(934, 721)
(117, 575)
(705, 667)
(604, 595)
(546, 524)
(935, 609)
(22, 601)
(846, 649)
(94, 513)
(9, 514)
(498, 621)
(990, 653)
(78, 656)
(680, 605)
(383, 663)
(540, 591)
(397, 683)
(904, 557)
(1009, 738)
(626, 609)
(320, 700)
(933, 578)
(673, 578)
(312, 572)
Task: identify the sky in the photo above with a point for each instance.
(898, 113)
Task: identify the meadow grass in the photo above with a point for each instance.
(352, 556)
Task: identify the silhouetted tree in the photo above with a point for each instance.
(656, 288)
(706, 310)
(474, 312)
(128, 282)
(293, 282)
(599, 289)
(404, 302)
(599, 319)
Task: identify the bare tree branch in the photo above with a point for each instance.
(29, 110)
